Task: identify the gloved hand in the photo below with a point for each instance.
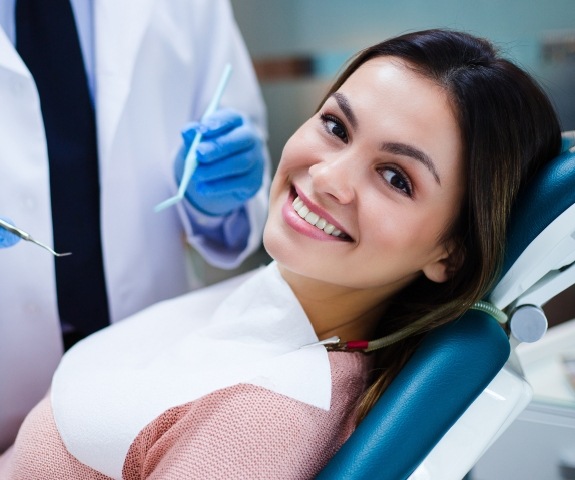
(7, 239)
(230, 163)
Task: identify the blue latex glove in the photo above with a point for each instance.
(7, 239)
(230, 163)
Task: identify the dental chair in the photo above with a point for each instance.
(464, 385)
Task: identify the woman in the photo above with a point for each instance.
(382, 224)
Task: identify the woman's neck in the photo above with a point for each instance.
(335, 310)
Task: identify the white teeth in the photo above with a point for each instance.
(297, 203)
(303, 211)
(329, 228)
(321, 223)
(314, 219)
(311, 218)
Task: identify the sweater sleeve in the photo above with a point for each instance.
(246, 431)
(40, 453)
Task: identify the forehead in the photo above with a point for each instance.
(392, 75)
(391, 82)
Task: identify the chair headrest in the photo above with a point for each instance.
(541, 221)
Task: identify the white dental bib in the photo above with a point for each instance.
(246, 330)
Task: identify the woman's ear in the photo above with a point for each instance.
(448, 263)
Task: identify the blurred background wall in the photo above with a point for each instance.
(538, 34)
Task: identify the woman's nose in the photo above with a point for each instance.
(334, 177)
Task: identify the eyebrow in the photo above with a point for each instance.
(345, 107)
(397, 148)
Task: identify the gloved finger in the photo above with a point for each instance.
(235, 142)
(221, 121)
(216, 124)
(231, 143)
(7, 239)
(235, 153)
(250, 181)
(222, 204)
(240, 163)
(221, 196)
(189, 133)
(246, 186)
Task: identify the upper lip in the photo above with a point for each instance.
(320, 211)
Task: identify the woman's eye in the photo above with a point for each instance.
(397, 180)
(334, 127)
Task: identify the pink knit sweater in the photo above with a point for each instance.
(238, 432)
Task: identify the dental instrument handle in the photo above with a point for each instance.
(190, 165)
(191, 158)
(26, 236)
(215, 101)
(191, 161)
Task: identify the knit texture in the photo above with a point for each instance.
(239, 432)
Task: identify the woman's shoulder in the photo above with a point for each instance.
(350, 367)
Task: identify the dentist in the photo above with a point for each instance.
(148, 68)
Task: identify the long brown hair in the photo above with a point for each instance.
(508, 130)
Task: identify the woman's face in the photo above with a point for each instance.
(380, 163)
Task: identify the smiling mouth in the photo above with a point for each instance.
(314, 219)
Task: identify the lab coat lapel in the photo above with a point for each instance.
(9, 58)
(118, 31)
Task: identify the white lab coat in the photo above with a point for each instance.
(157, 63)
